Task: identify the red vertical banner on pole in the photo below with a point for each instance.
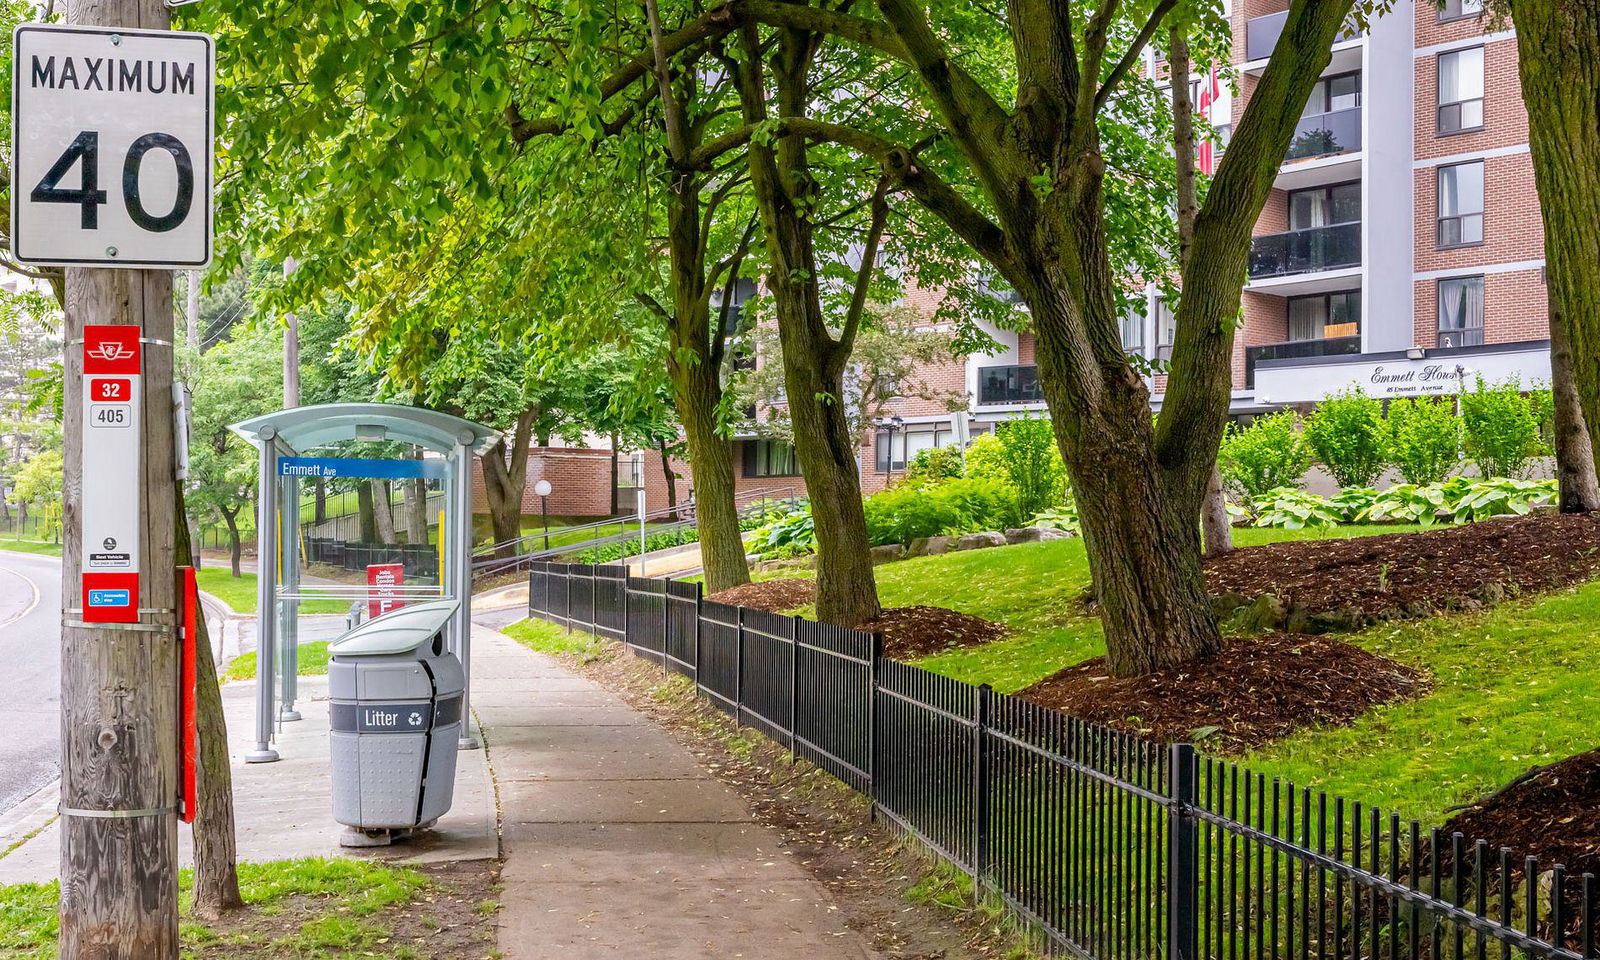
(382, 579)
(188, 690)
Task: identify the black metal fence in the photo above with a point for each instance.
(1114, 846)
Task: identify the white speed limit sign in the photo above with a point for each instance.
(111, 147)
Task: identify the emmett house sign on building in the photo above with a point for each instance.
(111, 145)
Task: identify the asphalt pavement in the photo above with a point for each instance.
(30, 674)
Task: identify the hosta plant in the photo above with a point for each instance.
(1405, 503)
(1352, 500)
(1293, 509)
(1501, 497)
(1059, 518)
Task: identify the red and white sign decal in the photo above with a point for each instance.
(382, 578)
(113, 364)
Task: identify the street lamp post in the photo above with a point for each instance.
(891, 424)
(542, 488)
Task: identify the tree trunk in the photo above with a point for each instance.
(505, 477)
(235, 548)
(366, 512)
(383, 510)
(1216, 525)
(417, 510)
(1561, 87)
(616, 476)
(320, 494)
(698, 395)
(216, 869)
(813, 361)
(672, 481)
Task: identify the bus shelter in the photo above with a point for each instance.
(289, 442)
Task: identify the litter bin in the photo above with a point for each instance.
(396, 717)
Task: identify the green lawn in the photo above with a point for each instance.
(312, 662)
(31, 546)
(240, 592)
(354, 895)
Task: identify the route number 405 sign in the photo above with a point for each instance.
(111, 147)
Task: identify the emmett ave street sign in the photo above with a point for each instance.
(111, 149)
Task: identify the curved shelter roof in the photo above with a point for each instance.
(307, 428)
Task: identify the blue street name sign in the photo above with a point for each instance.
(325, 468)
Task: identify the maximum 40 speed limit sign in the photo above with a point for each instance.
(111, 145)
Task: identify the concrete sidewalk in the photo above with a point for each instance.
(616, 841)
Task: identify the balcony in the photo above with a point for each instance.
(1326, 135)
(1008, 385)
(1296, 350)
(1309, 250)
(1261, 34)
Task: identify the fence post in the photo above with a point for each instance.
(872, 723)
(980, 788)
(738, 668)
(794, 682)
(531, 575)
(1183, 868)
(594, 601)
(699, 599)
(566, 608)
(627, 608)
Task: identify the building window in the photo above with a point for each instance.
(1339, 92)
(1456, 9)
(1325, 206)
(1325, 315)
(1131, 326)
(1461, 312)
(1461, 204)
(1461, 90)
(770, 458)
(1166, 330)
(908, 442)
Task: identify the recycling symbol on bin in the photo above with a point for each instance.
(415, 719)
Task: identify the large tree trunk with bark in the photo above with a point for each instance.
(672, 481)
(1560, 69)
(1216, 524)
(698, 393)
(505, 479)
(365, 514)
(320, 498)
(216, 869)
(235, 548)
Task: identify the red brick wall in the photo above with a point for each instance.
(1514, 308)
(1026, 348)
(1429, 31)
(655, 481)
(580, 482)
(1512, 228)
(1505, 119)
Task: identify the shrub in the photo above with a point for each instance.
(984, 459)
(1424, 439)
(1405, 503)
(607, 552)
(1294, 509)
(1502, 425)
(1346, 434)
(935, 465)
(1032, 463)
(902, 514)
(1267, 455)
(1502, 496)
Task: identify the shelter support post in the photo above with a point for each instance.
(266, 599)
(461, 490)
(287, 559)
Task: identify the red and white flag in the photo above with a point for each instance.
(1210, 92)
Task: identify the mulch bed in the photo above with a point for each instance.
(1258, 689)
(1550, 812)
(774, 595)
(913, 632)
(1345, 583)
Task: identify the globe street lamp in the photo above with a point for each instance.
(542, 488)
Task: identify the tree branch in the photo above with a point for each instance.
(869, 256)
(654, 306)
(673, 117)
(1133, 53)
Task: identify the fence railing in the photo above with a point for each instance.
(1113, 845)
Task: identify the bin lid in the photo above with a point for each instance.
(398, 631)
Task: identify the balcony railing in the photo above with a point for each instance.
(1297, 349)
(1306, 251)
(1325, 134)
(1014, 384)
(1261, 34)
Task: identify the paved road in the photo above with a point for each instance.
(30, 674)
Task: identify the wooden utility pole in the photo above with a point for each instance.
(119, 744)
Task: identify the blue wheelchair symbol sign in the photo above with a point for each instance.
(108, 598)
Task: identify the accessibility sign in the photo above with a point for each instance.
(111, 147)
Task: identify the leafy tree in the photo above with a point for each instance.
(1424, 439)
(1501, 428)
(235, 380)
(1346, 433)
(38, 484)
(1269, 454)
(1032, 464)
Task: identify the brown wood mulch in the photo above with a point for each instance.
(1550, 812)
(1258, 689)
(774, 595)
(913, 632)
(1345, 583)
